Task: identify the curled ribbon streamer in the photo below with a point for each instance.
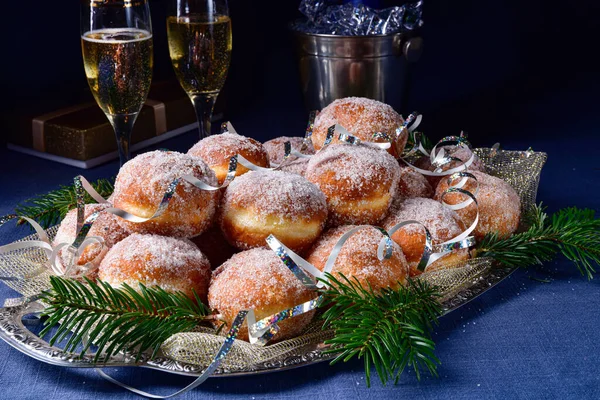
(52, 252)
(212, 367)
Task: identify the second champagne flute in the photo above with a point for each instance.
(199, 33)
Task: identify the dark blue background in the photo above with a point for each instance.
(519, 73)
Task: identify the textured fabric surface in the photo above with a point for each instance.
(522, 339)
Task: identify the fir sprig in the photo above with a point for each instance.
(116, 319)
(390, 330)
(50, 208)
(572, 232)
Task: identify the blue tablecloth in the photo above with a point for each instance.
(522, 339)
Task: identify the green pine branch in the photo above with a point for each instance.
(116, 319)
(390, 330)
(572, 232)
(425, 141)
(50, 208)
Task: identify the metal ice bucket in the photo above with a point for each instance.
(332, 67)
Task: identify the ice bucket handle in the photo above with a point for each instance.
(411, 48)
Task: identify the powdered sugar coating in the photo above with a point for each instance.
(106, 226)
(443, 224)
(276, 148)
(153, 260)
(260, 203)
(297, 167)
(257, 279)
(362, 117)
(275, 193)
(499, 205)
(358, 257)
(359, 182)
(217, 150)
(142, 182)
(412, 184)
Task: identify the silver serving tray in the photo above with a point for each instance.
(14, 332)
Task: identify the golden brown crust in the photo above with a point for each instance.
(499, 205)
(362, 117)
(257, 279)
(217, 150)
(142, 182)
(358, 258)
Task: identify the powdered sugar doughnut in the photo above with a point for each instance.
(257, 279)
(106, 226)
(499, 205)
(362, 117)
(443, 224)
(214, 246)
(297, 166)
(142, 182)
(173, 264)
(460, 152)
(358, 181)
(217, 150)
(358, 258)
(412, 184)
(260, 203)
(276, 148)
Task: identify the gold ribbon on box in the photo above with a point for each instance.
(38, 123)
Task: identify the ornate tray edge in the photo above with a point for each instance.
(14, 332)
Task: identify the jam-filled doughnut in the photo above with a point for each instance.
(443, 224)
(217, 150)
(153, 260)
(362, 117)
(106, 226)
(499, 205)
(358, 258)
(359, 182)
(257, 279)
(261, 203)
(142, 182)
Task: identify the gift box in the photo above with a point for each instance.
(81, 135)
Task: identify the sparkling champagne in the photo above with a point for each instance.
(200, 51)
(118, 65)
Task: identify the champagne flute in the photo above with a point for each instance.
(116, 41)
(199, 34)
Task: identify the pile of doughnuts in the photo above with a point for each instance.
(211, 243)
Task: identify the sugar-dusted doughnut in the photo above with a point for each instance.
(443, 224)
(153, 260)
(412, 184)
(362, 117)
(499, 205)
(261, 203)
(276, 148)
(106, 226)
(217, 150)
(142, 182)
(359, 182)
(257, 279)
(358, 258)
(460, 152)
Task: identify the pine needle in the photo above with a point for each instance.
(572, 232)
(390, 330)
(116, 319)
(50, 208)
